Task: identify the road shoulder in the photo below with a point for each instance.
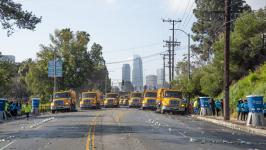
(252, 130)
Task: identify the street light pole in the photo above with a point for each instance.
(189, 75)
(189, 66)
(54, 89)
(188, 59)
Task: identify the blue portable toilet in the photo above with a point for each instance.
(205, 102)
(205, 106)
(2, 104)
(256, 107)
(35, 103)
(2, 108)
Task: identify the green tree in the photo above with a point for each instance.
(247, 54)
(12, 15)
(210, 20)
(8, 70)
(82, 68)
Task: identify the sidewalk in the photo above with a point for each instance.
(21, 117)
(233, 124)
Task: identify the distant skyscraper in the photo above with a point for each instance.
(151, 82)
(9, 58)
(126, 72)
(160, 78)
(137, 73)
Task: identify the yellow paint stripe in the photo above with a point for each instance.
(93, 136)
(88, 139)
(90, 144)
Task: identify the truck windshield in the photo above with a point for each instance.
(62, 95)
(136, 95)
(174, 94)
(151, 94)
(88, 95)
(111, 96)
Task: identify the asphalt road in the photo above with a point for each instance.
(121, 129)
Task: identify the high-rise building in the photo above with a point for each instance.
(9, 58)
(160, 78)
(126, 72)
(137, 73)
(151, 82)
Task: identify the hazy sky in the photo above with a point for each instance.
(122, 27)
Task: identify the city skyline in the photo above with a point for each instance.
(144, 37)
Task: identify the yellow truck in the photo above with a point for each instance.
(64, 101)
(170, 101)
(135, 100)
(90, 100)
(121, 100)
(126, 99)
(149, 100)
(111, 100)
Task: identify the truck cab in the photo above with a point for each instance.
(90, 100)
(125, 101)
(111, 100)
(64, 101)
(170, 100)
(121, 100)
(149, 100)
(135, 100)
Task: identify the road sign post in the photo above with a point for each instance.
(55, 70)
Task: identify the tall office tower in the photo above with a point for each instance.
(126, 72)
(151, 82)
(137, 73)
(160, 78)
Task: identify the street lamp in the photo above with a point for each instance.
(189, 76)
(188, 35)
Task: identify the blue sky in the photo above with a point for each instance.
(122, 27)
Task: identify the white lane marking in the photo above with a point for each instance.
(2, 148)
(182, 134)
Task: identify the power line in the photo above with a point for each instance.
(191, 8)
(128, 60)
(186, 10)
(137, 47)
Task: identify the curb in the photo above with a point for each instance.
(247, 129)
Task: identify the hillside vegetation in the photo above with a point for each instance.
(253, 84)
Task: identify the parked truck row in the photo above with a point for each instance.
(161, 100)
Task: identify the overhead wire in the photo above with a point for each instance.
(129, 60)
(185, 17)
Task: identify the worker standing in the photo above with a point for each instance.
(238, 109)
(245, 110)
(195, 106)
(212, 104)
(27, 110)
(218, 107)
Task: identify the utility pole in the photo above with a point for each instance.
(54, 89)
(173, 23)
(188, 59)
(226, 59)
(264, 40)
(164, 58)
(168, 44)
(105, 89)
